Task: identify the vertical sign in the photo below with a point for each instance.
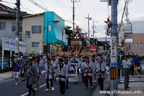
(12, 45)
(49, 27)
(113, 49)
(113, 58)
(6, 44)
(16, 45)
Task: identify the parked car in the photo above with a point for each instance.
(5, 64)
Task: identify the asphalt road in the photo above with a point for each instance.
(8, 88)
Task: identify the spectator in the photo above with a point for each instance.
(137, 65)
(16, 70)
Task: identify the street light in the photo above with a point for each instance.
(67, 27)
(54, 21)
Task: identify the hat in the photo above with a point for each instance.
(19, 59)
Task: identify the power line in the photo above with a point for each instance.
(124, 6)
(83, 8)
(43, 3)
(60, 6)
(40, 6)
(40, 18)
(7, 2)
(81, 13)
(67, 3)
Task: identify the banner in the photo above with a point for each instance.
(22, 46)
(92, 47)
(11, 45)
(6, 44)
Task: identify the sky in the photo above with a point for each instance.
(98, 11)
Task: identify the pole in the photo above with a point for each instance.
(47, 39)
(93, 32)
(18, 17)
(17, 27)
(114, 82)
(73, 16)
(89, 18)
(106, 40)
(62, 39)
(88, 27)
(2, 54)
(10, 59)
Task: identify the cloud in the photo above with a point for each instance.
(138, 17)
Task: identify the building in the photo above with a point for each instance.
(8, 22)
(8, 29)
(134, 40)
(103, 43)
(35, 29)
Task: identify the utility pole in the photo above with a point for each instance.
(73, 16)
(106, 38)
(18, 18)
(93, 31)
(74, 13)
(114, 67)
(94, 27)
(89, 18)
(17, 29)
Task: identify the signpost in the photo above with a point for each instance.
(114, 67)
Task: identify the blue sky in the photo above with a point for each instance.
(97, 10)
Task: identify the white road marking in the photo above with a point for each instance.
(34, 89)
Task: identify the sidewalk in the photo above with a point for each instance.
(106, 85)
(136, 84)
(5, 76)
(133, 78)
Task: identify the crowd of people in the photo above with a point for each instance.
(58, 67)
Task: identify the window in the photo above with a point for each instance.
(129, 47)
(27, 33)
(35, 44)
(141, 46)
(136, 46)
(2, 25)
(36, 29)
(14, 26)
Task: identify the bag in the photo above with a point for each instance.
(103, 76)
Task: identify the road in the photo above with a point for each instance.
(8, 88)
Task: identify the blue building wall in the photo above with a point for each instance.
(55, 34)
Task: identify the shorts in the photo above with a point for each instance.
(137, 68)
(16, 75)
